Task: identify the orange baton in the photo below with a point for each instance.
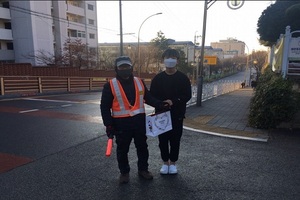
(109, 147)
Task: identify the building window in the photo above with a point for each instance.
(81, 34)
(92, 22)
(76, 33)
(92, 36)
(74, 3)
(90, 7)
(7, 25)
(10, 46)
(5, 4)
(72, 33)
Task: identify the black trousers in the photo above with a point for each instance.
(123, 140)
(169, 142)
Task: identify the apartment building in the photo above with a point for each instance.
(27, 27)
(231, 47)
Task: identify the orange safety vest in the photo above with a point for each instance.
(121, 106)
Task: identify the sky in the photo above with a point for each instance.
(180, 21)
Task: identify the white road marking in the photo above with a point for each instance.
(49, 100)
(26, 111)
(66, 105)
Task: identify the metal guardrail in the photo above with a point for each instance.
(34, 85)
(214, 89)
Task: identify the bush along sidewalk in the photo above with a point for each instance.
(274, 101)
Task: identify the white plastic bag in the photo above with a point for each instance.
(157, 124)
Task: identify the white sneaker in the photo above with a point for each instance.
(164, 169)
(172, 169)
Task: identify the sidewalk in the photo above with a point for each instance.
(226, 116)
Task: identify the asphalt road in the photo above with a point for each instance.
(65, 138)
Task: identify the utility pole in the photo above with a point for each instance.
(207, 4)
(121, 29)
(200, 76)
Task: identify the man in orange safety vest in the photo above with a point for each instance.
(123, 113)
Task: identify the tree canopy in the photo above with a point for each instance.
(275, 18)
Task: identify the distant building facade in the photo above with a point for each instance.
(30, 26)
(192, 51)
(231, 47)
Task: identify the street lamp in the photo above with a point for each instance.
(139, 53)
(195, 65)
(256, 69)
(247, 64)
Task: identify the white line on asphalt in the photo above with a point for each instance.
(32, 99)
(66, 105)
(26, 111)
(225, 135)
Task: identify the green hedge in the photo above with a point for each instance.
(273, 102)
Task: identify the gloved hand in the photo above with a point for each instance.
(164, 106)
(110, 131)
(168, 101)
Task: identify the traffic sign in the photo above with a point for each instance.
(210, 60)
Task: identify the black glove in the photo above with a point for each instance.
(164, 106)
(110, 131)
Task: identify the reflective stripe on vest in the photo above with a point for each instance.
(121, 106)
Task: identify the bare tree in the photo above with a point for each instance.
(78, 54)
(74, 54)
(259, 61)
(151, 64)
(107, 59)
(45, 58)
(131, 51)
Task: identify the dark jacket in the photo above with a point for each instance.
(125, 123)
(176, 87)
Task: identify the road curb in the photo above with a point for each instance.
(226, 135)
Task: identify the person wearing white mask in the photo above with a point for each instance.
(175, 87)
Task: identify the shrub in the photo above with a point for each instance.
(273, 102)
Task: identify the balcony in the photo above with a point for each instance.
(7, 55)
(4, 13)
(76, 26)
(75, 10)
(6, 34)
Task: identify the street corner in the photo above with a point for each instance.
(199, 124)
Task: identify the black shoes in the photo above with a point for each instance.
(146, 175)
(124, 178)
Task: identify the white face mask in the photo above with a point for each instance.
(170, 62)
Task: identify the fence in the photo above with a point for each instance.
(22, 79)
(214, 89)
(35, 85)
